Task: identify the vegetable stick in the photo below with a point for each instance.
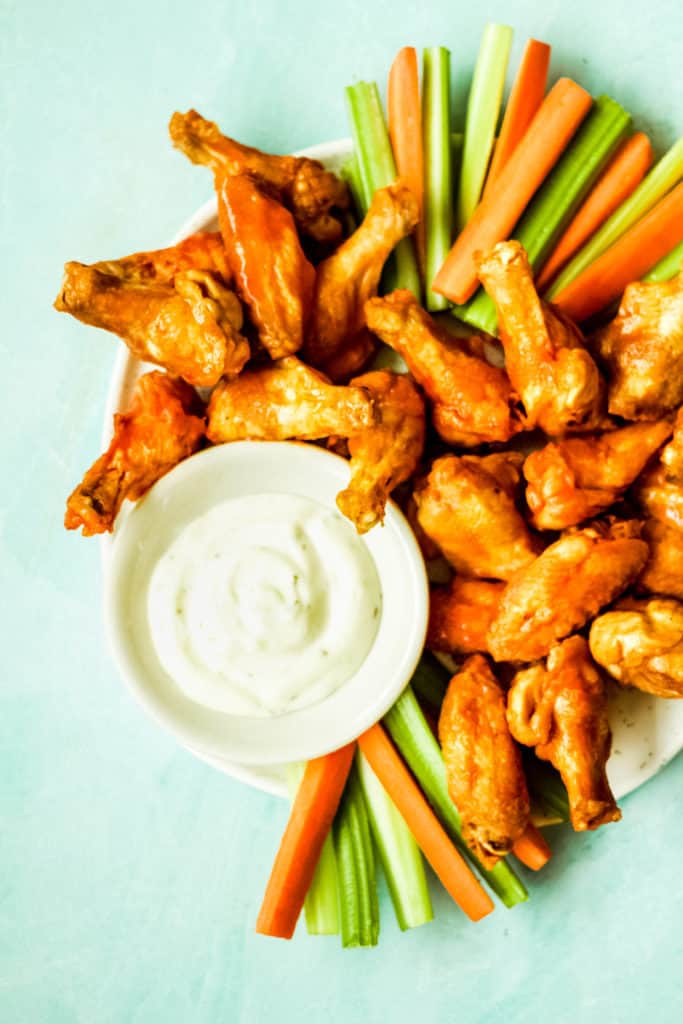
(438, 166)
(526, 97)
(627, 260)
(358, 903)
(483, 107)
(557, 119)
(313, 810)
(617, 182)
(532, 849)
(452, 870)
(321, 904)
(668, 266)
(405, 130)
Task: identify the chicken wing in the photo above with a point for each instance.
(314, 195)
(283, 400)
(350, 276)
(640, 643)
(386, 454)
(642, 350)
(172, 307)
(659, 491)
(561, 710)
(461, 613)
(274, 278)
(576, 478)
(545, 358)
(565, 587)
(162, 427)
(473, 402)
(663, 572)
(484, 769)
(466, 505)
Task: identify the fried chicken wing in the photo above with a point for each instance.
(284, 400)
(642, 350)
(565, 587)
(473, 402)
(162, 427)
(663, 572)
(545, 357)
(578, 477)
(561, 710)
(659, 491)
(274, 278)
(466, 505)
(640, 643)
(172, 307)
(314, 195)
(484, 769)
(461, 613)
(386, 454)
(350, 276)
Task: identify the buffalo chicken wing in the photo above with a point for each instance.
(461, 613)
(640, 643)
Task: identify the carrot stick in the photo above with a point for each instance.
(405, 130)
(526, 97)
(532, 849)
(621, 176)
(314, 807)
(454, 873)
(557, 119)
(627, 260)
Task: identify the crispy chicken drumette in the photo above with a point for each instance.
(162, 427)
(546, 361)
(483, 766)
(561, 711)
(172, 307)
(461, 613)
(640, 643)
(663, 572)
(473, 402)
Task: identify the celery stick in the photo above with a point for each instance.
(398, 852)
(350, 173)
(377, 170)
(419, 749)
(663, 176)
(358, 904)
(321, 903)
(438, 194)
(483, 108)
(430, 680)
(667, 267)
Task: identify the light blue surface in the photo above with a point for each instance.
(130, 874)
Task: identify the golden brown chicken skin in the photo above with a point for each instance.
(659, 491)
(545, 358)
(466, 505)
(286, 400)
(663, 572)
(314, 195)
(560, 709)
(274, 278)
(576, 478)
(640, 644)
(642, 351)
(461, 614)
(172, 307)
(565, 587)
(387, 453)
(473, 402)
(162, 427)
(483, 766)
(351, 275)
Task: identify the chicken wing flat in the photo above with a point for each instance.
(640, 643)
(663, 572)
(473, 402)
(172, 307)
(561, 710)
(274, 278)
(351, 275)
(574, 479)
(314, 195)
(162, 427)
(565, 587)
(642, 350)
(461, 614)
(387, 453)
(659, 491)
(484, 769)
(549, 367)
(284, 400)
(466, 505)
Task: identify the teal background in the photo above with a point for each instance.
(130, 873)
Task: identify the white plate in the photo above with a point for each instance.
(647, 732)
